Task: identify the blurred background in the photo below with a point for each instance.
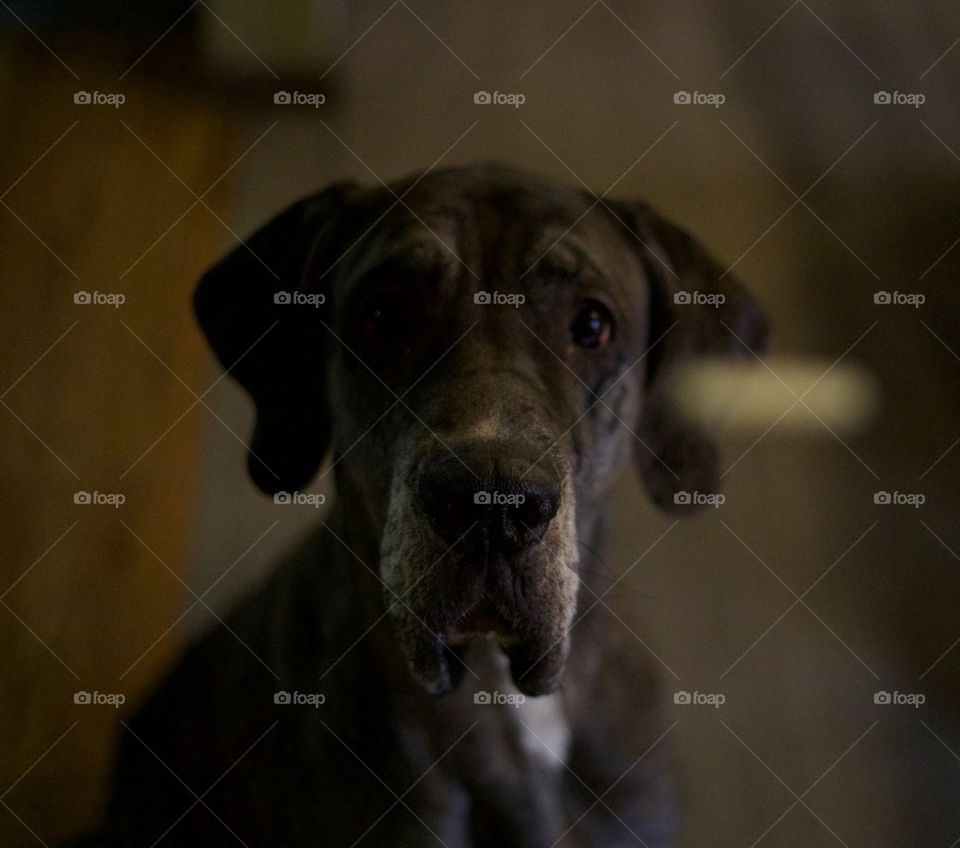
(141, 141)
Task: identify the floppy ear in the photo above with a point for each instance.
(726, 322)
(271, 347)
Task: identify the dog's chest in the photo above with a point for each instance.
(534, 731)
(543, 730)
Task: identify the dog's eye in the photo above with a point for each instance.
(383, 315)
(374, 320)
(592, 326)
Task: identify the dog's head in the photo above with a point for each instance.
(483, 353)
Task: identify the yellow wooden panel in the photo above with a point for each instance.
(87, 401)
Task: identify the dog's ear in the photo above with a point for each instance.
(272, 347)
(696, 310)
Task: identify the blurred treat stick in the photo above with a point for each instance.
(747, 396)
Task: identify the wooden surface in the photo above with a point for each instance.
(83, 598)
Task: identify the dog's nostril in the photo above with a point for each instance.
(448, 503)
(537, 509)
(504, 515)
(524, 523)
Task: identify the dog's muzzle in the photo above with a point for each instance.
(481, 544)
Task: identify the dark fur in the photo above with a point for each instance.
(324, 776)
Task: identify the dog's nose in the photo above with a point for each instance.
(504, 514)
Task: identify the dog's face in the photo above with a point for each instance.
(488, 353)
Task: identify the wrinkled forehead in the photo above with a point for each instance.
(493, 232)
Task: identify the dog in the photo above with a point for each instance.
(480, 353)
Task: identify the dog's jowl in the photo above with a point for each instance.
(473, 368)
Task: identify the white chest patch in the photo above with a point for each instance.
(539, 724)
(544, 729)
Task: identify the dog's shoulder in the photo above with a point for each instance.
(220, 709)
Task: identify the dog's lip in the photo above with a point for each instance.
(438, 663)
(483, 620)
